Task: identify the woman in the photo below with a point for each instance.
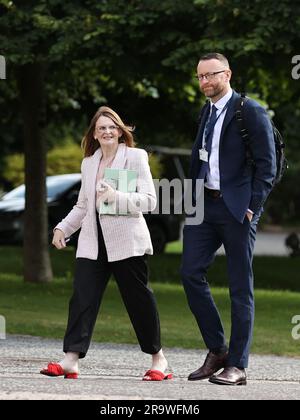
(110, 244)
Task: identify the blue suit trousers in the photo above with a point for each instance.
(200, 243)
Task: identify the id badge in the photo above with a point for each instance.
(203, 155)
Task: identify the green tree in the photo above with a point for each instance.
(41, 37)
(66, 58)
(58, 164)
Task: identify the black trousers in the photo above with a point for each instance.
(90, 280)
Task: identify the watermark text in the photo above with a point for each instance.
(296, 329)
(2, 67)
(2, 328)
(176, 197)
(296, 68)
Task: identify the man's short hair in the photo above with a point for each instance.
(216, 56)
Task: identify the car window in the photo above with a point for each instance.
(18, 192)
(55, 186)
(174, 166)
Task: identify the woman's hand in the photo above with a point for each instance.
(59, 239)
(105, 192)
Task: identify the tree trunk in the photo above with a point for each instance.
(37, 265)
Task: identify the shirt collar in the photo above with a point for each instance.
(223, 101)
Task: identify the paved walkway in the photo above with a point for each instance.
(114, 372)
(268, 243)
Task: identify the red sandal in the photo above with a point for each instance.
(54, 369)
(156, 375)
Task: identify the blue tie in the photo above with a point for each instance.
(208, 135)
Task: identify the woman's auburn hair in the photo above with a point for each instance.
(89, 144)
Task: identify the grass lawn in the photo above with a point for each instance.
(271, 273)
(41, 310)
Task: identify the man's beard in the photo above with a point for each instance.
(213, 92)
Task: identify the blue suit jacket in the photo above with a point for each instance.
(243, 187)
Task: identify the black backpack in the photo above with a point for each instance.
(281, 161)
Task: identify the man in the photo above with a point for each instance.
(234, 193)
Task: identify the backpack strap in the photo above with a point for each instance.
(240, 119)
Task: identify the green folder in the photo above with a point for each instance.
(124, 180)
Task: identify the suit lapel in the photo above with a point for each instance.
(204, 117)
(120, 158)
(195, 163)
(230, 113)
(92, 176)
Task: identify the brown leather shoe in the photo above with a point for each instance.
(230, 376)
(212, 364)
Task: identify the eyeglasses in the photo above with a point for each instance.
(103, 129)
(208, 76)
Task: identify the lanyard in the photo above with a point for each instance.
(223, 110)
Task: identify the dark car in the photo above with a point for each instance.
(175, 164)
(62, 193)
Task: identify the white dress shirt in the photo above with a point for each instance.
(213, 174)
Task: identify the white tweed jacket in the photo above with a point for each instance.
(124, 236)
